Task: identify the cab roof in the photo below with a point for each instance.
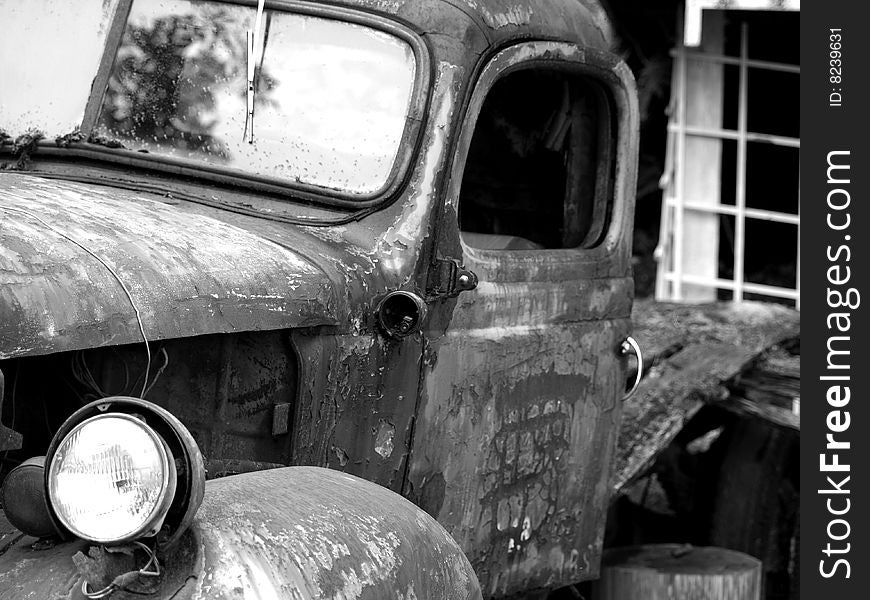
(461, 29)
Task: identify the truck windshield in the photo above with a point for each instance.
(50, 54)
(330, 98)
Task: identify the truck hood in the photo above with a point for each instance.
(78, 262)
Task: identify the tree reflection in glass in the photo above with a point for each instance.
(161, 89)
(331, 100)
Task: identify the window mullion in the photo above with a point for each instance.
(740, 221)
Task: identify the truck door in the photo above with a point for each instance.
(523, 378)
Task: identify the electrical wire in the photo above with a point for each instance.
(151, 569)
(114, 274)
(159, 371)
(81, 372)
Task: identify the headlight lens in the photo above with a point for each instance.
(111, 479)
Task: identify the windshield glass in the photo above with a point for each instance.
(330, 98)
(44, 84)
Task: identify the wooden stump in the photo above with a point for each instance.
(678, 572)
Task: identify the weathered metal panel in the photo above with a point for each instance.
(518, 424)
(308, 533)
(33, 570)
(224, 388)
(356, 408)
(188, 274)
(572, 20)
(359, 391)
(522, 377)
(502, 396)
(297, 533)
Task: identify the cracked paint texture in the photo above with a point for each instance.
(300, 533)
(188, 274)
(306, 533)
(498, 419)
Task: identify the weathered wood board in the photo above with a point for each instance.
(690, 353)
(675, 572)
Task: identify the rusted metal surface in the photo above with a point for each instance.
(308, 533)
(301, 533)
(494, 22)
(499, 418)
(187, 274)
(34, 570)
(522, 381)
(202, 271)
(357, 413)
(226, 389)
(503, 450)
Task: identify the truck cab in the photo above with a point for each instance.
(387, 242)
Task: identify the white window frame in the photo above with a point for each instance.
(671, 276)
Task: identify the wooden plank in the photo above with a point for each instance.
(667, 398)
(770, 390)
(693, 352)
(773, 414)
(663, 328)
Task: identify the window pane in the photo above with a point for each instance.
(331, 99)
(531, 172)
(770, 253)
(43, 84)
(772, 177)
(773, 103)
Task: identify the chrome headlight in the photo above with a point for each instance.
(123, 468)
(112, 479)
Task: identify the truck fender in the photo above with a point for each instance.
(311, 533)
(294, 533)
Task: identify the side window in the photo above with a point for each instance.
(538, 167)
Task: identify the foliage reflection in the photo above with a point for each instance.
(330, 105)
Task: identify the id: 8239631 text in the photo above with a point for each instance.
(835, 66)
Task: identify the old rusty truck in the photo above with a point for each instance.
(310, 299)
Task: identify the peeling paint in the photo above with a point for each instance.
(387, 6)
(384, 439)
(503, 15)
(188, 274)
(522, 387)
(325, 535)
(406, 235)
(493, 412)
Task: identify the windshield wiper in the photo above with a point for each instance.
(253, 44)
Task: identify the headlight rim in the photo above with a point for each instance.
(190, 478)
(167, 488)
